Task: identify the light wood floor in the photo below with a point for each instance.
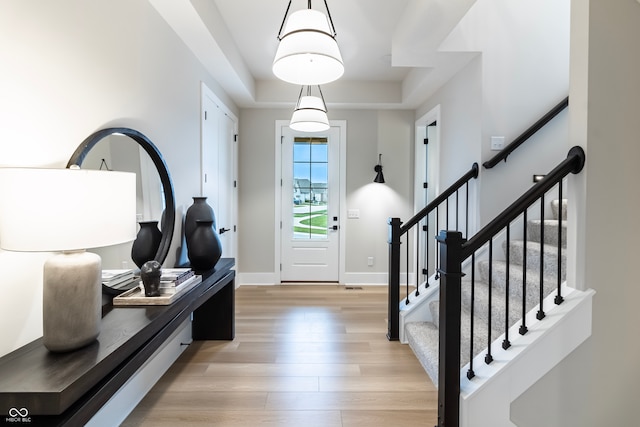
(303, 356)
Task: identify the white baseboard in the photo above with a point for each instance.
(257, 279)
(349, 279)
(365, 279)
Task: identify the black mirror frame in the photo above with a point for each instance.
(168, 221)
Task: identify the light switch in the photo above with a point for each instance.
(353, 213)
(497, 143)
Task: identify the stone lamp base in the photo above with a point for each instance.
(72, 300)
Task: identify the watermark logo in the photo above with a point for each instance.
(18, 415)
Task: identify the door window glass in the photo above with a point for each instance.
(310, 189)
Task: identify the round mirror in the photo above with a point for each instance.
(128, 150)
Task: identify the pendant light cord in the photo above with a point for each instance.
(284, 19)
(329, 15)
(309, 94)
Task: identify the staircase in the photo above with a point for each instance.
(423, 337)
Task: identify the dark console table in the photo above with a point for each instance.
(69, 388)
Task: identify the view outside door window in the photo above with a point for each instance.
(310, 189)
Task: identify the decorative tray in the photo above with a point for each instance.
(135, 296)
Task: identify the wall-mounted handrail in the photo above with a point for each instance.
(504, 153)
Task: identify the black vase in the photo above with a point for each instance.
(199, 210)
(203, 246)
(147, 243)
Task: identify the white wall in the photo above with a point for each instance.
(369, 132)
(71, 67)
(523, 71)
(597, 384)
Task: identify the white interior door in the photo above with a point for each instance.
(310, 211)
(219, 170)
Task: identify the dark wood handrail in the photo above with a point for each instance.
(504, 153)
(572, 164)
(397, 230)
(472, 173)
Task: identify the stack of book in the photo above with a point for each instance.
(117, 281)
(174, 280)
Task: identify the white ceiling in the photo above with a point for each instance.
(389, 47)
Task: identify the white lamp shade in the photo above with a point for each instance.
(310, 115)
(308, 54)
(65, 209)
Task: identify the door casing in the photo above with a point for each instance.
(342, 126)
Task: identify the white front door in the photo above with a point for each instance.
(310, 211)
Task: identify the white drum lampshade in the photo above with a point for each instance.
(308, 53)
(67, 210)
(310, 115)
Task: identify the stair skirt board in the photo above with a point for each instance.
(485, 400)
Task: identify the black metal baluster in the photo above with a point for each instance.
(457, 211)
(466, 225)
(417, 261)
(470, 373)
(488, 358)
(407, 270)
(523, 327)
(437, 276)
(425, 228)
(447, 213)
(506, 343)
(540, 315)
(559, 299)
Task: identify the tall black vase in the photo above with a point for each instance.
(203, 246)
(147, 242)
(199, 210)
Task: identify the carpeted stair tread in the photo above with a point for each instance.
(550, 259)
(429, 357)
(550, 231)
(423, 337)
(499, 274)
(498, 306)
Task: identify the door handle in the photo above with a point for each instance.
(223, 230)
(334, 227)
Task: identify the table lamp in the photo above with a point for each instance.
(67, 211)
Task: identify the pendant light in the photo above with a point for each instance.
(308, 53)
(310, 114)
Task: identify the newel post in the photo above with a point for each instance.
(449, 358)
(393, 315)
